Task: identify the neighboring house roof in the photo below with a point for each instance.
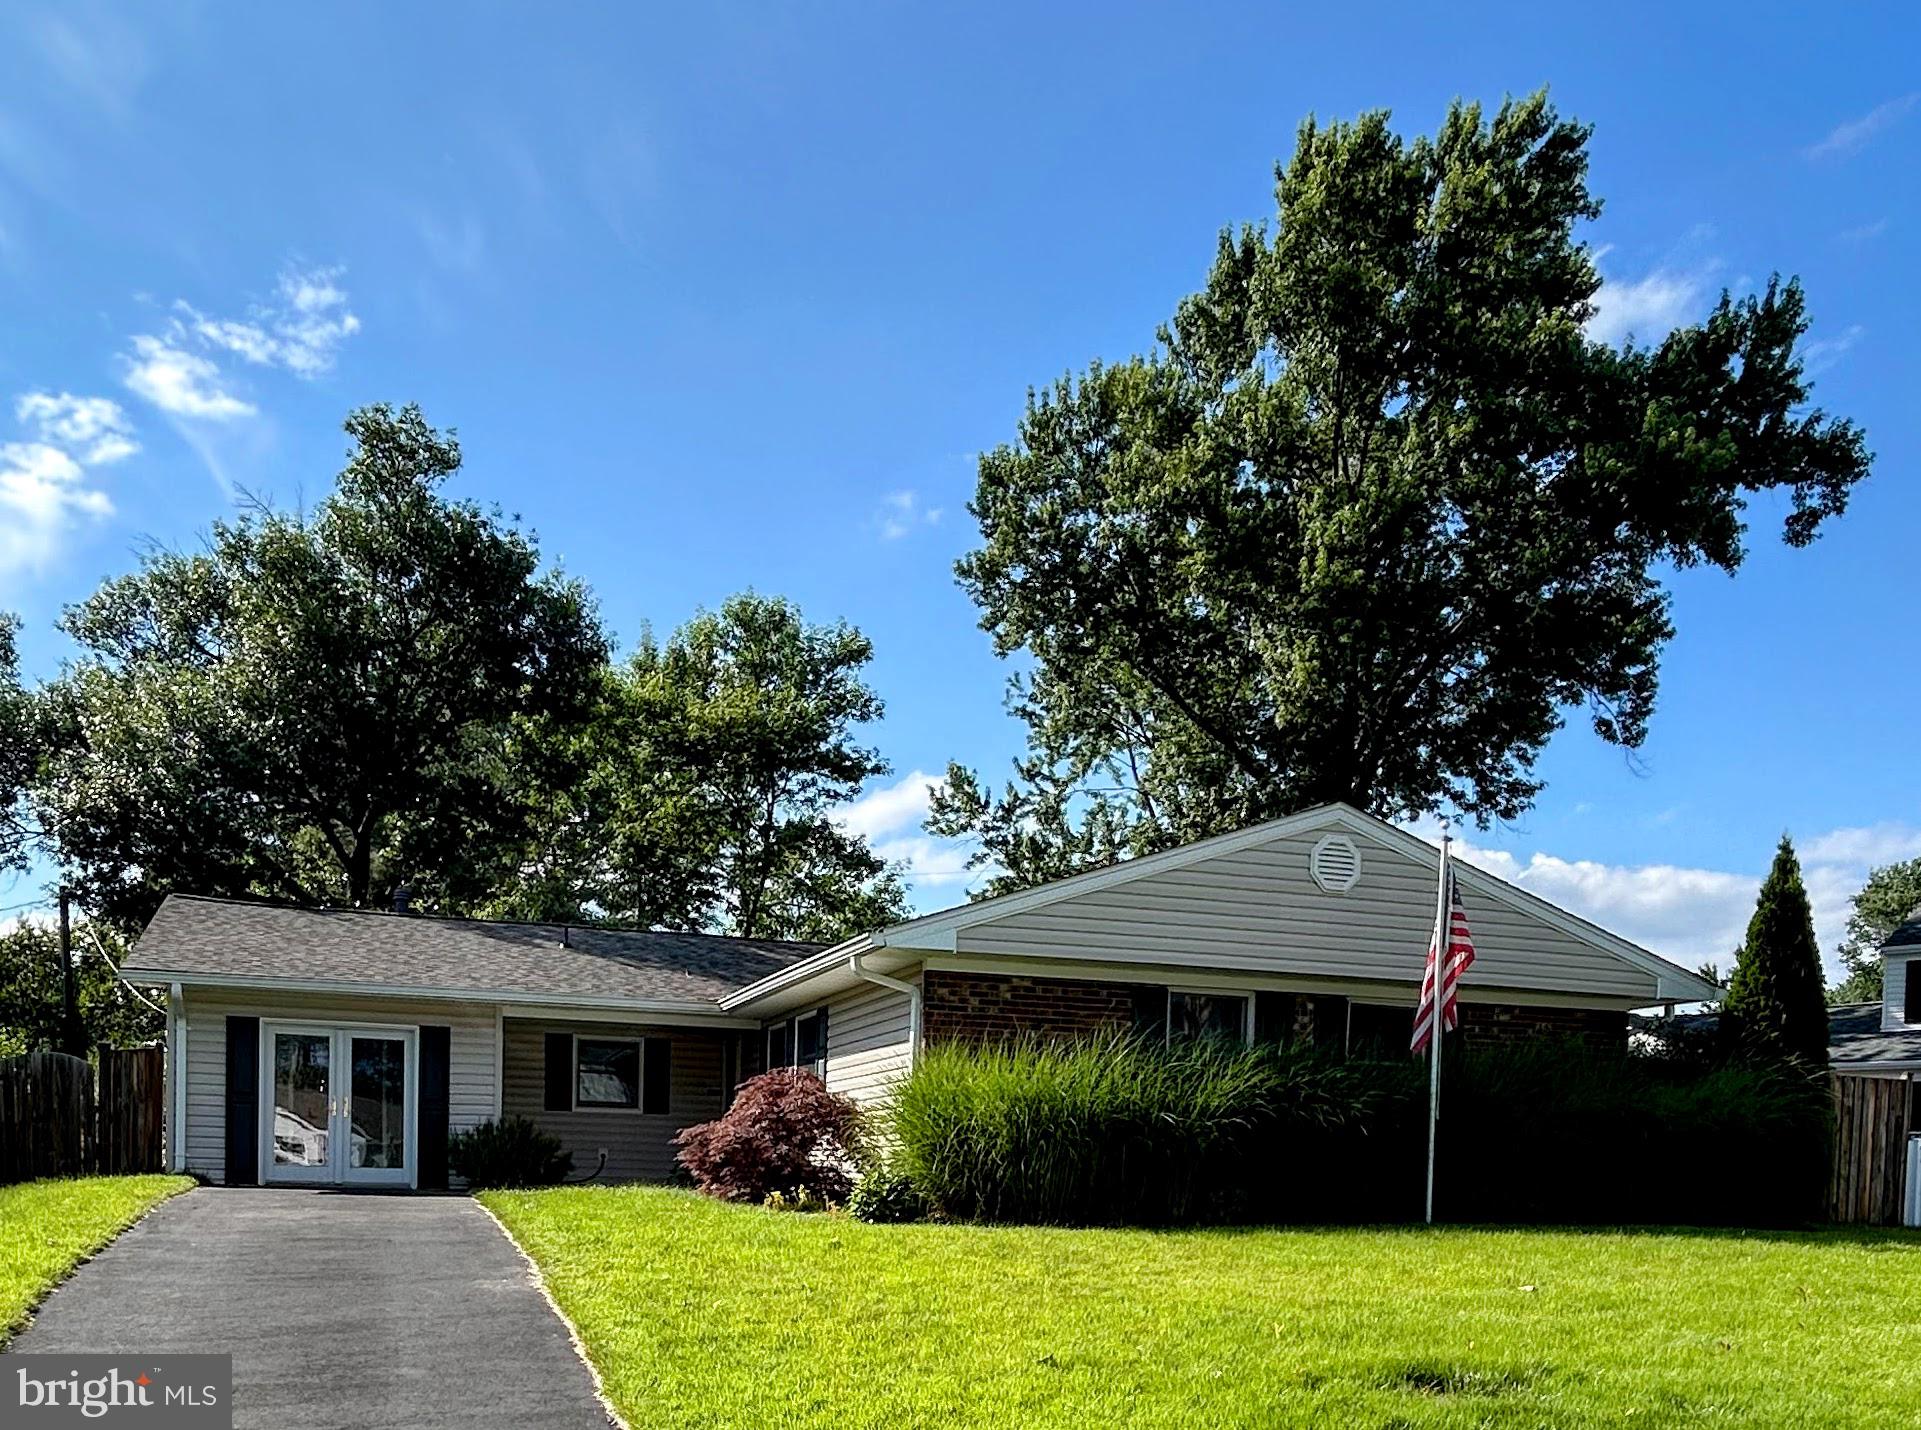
(1908, 935)
(943, 931)
(228, 941)
(1855, 1039)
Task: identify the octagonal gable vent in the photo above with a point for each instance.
(1335, 864)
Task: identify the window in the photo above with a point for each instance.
(799, 1042)
(780, 1045)
(808, 1052)
(607, 1072)
(1911, 1010)
(1207, 1015)
(1379, 1030)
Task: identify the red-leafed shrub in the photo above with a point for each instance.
(784, 1132)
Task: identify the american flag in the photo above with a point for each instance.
(1460, 958)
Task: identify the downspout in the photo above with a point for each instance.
(177, 1027)
(899, 985)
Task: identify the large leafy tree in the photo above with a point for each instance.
(315, 707)
(1774, 1003)
(33, 994)
(701, 795)
(1891, 896)
(1376, 512)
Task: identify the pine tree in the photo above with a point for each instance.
(1775, 999)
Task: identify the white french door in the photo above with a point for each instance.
(337, 1104)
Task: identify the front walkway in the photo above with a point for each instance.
(340, 1310)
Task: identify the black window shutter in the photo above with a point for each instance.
(1150, 1010)
(435, 1077)
(656, 1090)
(560, 1073)
(243, 1101)
(1273, 1017)
(1911, 1011)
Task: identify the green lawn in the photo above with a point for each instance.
(47, 1228)
(698, 1313)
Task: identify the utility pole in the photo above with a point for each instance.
(73, 1038)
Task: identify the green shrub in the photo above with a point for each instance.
(1125, 1132)
(1563, 1133)
(885, 1195)
(510, 1152)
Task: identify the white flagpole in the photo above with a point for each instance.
(1434, 1016)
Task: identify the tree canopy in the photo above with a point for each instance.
(1884, 903)
(32, 995)
(701, 793)
(313, 707)
(1375, 513)
(1774, 1003)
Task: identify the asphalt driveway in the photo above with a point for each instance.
(340, 1310)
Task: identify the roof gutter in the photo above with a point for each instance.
(898, 985)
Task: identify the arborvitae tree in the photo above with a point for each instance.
(1775, 999)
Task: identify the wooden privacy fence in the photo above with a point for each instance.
(1870, 1150)
(54, 1122)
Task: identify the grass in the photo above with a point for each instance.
(48, 1228)
(701, 1313)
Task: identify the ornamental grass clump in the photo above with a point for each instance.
(1125, 1131)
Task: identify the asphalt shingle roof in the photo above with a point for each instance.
(1855, 1036)
(347, 946)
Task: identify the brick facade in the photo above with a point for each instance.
(997, 1007)
(1492, 1024)
(993, 1007)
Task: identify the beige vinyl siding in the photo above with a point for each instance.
(1259, 909)
(471, 1066)
(869, 1042)
(640, 1145)
(1894, 991)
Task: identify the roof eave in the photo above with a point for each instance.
(702, 1009)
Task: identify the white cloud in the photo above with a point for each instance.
(902, 511)
(1883, 843)
(1854, 135)
(890, 820)
(1647, 308)
(180, 382)
(45, 491)
(92, 429)
(1692, 915)
(299, 332)
(1820, 354)
(889, 809)
(43, 494)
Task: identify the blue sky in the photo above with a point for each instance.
(731, 298)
